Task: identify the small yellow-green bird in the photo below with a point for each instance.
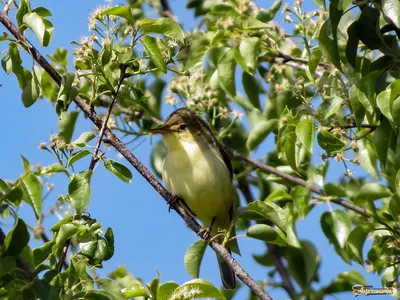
(198, 170)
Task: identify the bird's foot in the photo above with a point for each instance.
(172, 201)
(205, 233)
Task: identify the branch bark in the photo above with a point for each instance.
(297, 181)
(124, 151)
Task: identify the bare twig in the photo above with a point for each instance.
(166, 9)
(108, 114)
(124, 151)
(297, 181)
(272, 249)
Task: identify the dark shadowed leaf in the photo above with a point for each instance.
(16, 239)
(336, 227)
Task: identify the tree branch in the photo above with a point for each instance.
(124, 151)
(297, 181)
(166, 9)
(272, 249)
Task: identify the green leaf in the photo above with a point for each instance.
(112, 287)
(152, 49)
(357, 108)
(251, 88)
(165, 26)
(16, 239)
(372, 191)
(66, 125)
(135, 290)
(260, 132)
(7, 264)
(66, 232)
(352, 44)
(305, 133)
(355, 242)
(301, 196)
(391, 9)
(328, 45)
(291, 152)
(41, 27)
(119, 170)
(157, 157)
(261, 211)
(32, 91)
(53, 168)
(226, 72)
(198, 288)
(266, 15)
(329, 107)
(394, 205)
(165, 290)
(193, 258)
(98, 295)
(336, 227)
(33, 193)
(66, 94)
(277, 195)
(27, 165)
(262, 232)
(84, 138)
(313, 62)
(329, 142)
(79, 190)
(24, 8)
(384, 103)
(121, 11)
(303, 262)
(155, 283)
(40, 254)
(384, 139)
(248, 49)
(77, 156)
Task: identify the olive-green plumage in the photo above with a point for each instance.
(198, 170)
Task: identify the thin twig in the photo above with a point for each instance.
(296, 181)
(166, 9)
(272, 249)
(108, 114)
(124, 151)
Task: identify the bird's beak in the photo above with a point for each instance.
(160, 130)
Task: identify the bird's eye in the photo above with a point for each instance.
(183, 127)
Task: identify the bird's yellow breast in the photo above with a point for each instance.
(200, 177)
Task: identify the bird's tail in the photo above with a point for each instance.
(227, 276)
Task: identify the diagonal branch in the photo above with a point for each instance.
(124, 151)
(297, 181)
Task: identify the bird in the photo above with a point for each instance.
(197, 169)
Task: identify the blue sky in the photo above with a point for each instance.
(147, 237)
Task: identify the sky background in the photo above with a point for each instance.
(147, 237)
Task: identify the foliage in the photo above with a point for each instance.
(328, 92)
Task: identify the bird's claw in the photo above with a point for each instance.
(205, 233)
(172, 201)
